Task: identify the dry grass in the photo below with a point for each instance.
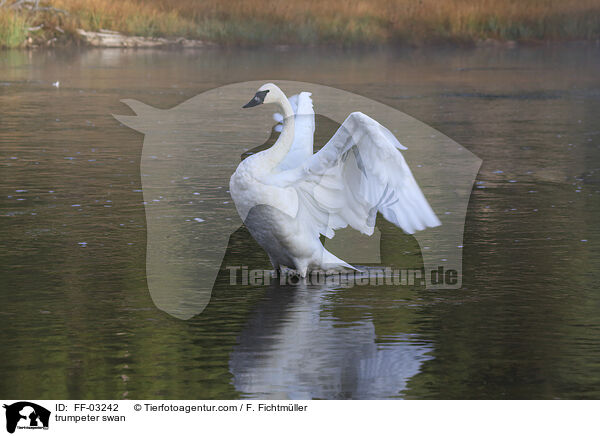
(339, 21)
(13, 29)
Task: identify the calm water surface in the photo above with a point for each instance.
(76, 318)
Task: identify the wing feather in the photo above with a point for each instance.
(304, 130)
(359, 172)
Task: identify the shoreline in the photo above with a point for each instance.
(305, 23)
(113, 39)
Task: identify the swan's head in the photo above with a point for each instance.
(268, 93)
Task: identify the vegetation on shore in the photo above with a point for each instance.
(344, 22)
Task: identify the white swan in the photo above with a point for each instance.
(287, 196)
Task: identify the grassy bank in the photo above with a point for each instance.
(347, 22)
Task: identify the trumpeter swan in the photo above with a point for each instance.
(287, 196)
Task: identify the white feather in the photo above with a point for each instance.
(288, 196)
(358, 173)
(304, 130)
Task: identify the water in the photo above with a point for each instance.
(76, 318)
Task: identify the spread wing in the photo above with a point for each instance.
(304, 130)
(359, 172)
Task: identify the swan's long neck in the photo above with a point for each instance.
(280, 149)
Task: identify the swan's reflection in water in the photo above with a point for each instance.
(293, 347)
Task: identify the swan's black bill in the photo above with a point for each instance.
(259, 98)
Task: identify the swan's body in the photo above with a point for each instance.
(287, 196)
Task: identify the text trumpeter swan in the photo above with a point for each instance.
(287, 196)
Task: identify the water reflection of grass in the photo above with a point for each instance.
(325, 21)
